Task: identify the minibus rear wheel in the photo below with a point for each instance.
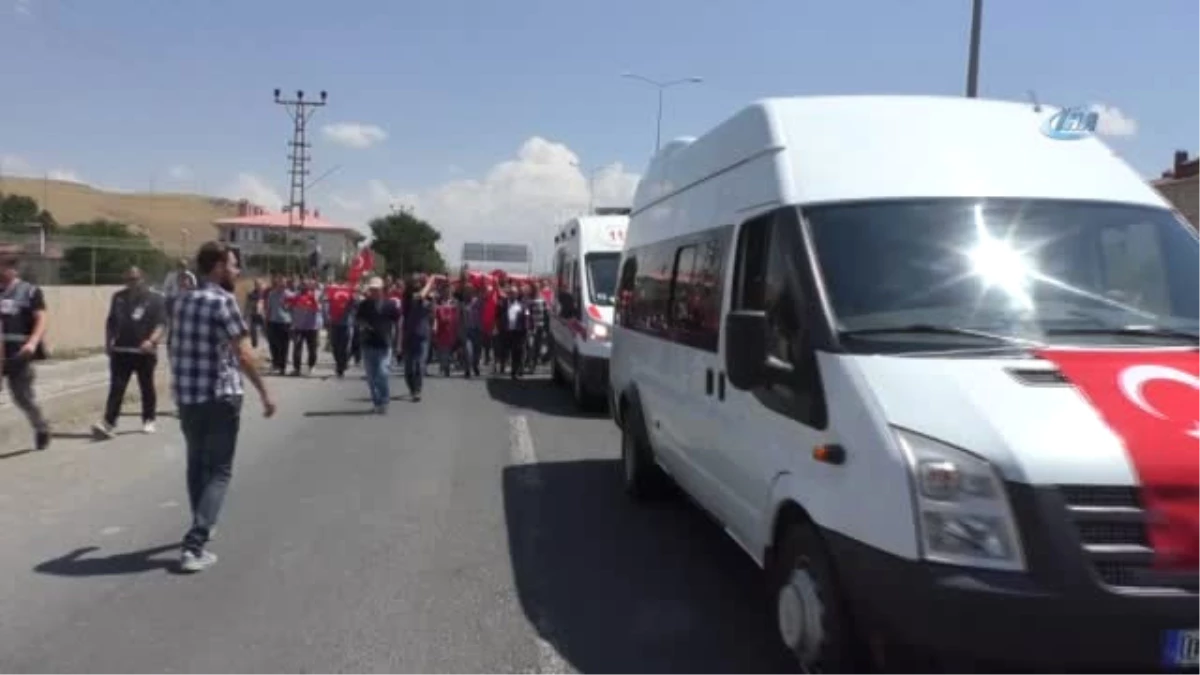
(642, 477)
(811, 616)
(584, 399)
(556, 373)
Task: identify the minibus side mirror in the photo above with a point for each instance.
(746, 348)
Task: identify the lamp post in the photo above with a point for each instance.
(662, 86)
(591, 174)
(973, 50)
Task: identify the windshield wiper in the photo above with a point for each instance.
(931, 329)
(1128, 331)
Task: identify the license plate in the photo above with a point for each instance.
(1181, 649)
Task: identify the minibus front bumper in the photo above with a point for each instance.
(1058, 614)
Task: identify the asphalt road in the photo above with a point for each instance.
(482, 529)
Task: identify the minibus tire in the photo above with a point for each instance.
(643, 479)
(585, 401)
(801, 567)
(556, 373)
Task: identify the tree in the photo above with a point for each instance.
(19, 212)
(408, 244)
(100, 251)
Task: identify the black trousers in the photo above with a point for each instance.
(257, 325)
(516, 340)
(339, 339)
(121, 366)
(300, 340)
(278, 336)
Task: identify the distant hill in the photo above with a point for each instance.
(161, 216)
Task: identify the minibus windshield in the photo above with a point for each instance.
(1047, 271)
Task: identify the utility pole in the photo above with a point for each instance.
(301, 111)
(973, 53)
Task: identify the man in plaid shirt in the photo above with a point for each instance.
(209, 351)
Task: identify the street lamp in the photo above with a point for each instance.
(661, 86)
(973, 50)
(591, 182)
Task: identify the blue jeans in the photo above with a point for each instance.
(415, 355)
(375, 364)
(210, 430)
(472, 352)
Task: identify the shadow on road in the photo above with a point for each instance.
(538, 394)
(73, 435)
(339, 413)
(74, 564)
(16, 453)
(617, 587)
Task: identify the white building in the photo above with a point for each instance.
(258, 232)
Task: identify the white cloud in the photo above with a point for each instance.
(23, 7)
(1113, 122)
(64, 175)
(347, 204)
(12, 165)
(179, 172)
(521, 200)
(354, 135)
(255, 189)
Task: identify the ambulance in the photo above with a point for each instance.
(932, 363)
(587, 250)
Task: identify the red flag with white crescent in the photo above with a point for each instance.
(364, 261)
(1151, 400)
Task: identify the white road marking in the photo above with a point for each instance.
(109, 531)
(170, 504)
(522, 453)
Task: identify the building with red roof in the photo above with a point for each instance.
(259, 232)
(1181, 186)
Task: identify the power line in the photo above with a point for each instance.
(301, 111)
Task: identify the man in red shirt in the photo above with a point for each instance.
(306, 324)
(445, 330)
(339, 306)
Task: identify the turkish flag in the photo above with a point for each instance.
(338, 296)
(364, 261)
(1151, 400)
(304, 300)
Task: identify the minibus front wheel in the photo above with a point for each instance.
(811, 615)
(643, 478)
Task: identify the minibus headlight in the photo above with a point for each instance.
(963, 514)
(598, 331)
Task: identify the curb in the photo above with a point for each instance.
(80, 399)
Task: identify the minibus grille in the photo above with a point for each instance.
(1111, 525)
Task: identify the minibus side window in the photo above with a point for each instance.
(696, 294)
(681, 286)
(568, 289)
(623, 314)
(577, 297)
(651, 292)
(768, 279)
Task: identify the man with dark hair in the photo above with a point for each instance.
(23, 325)
(209, 352)
(416, 320)
(132, 333)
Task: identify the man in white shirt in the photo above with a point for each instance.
(516, 317)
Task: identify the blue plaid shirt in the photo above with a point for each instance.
(205, 324)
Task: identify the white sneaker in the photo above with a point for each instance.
(197, 562)
(149, 428)
(102, 430)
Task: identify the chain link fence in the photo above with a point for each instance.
(62, 259)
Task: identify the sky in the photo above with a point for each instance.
(496, 120)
